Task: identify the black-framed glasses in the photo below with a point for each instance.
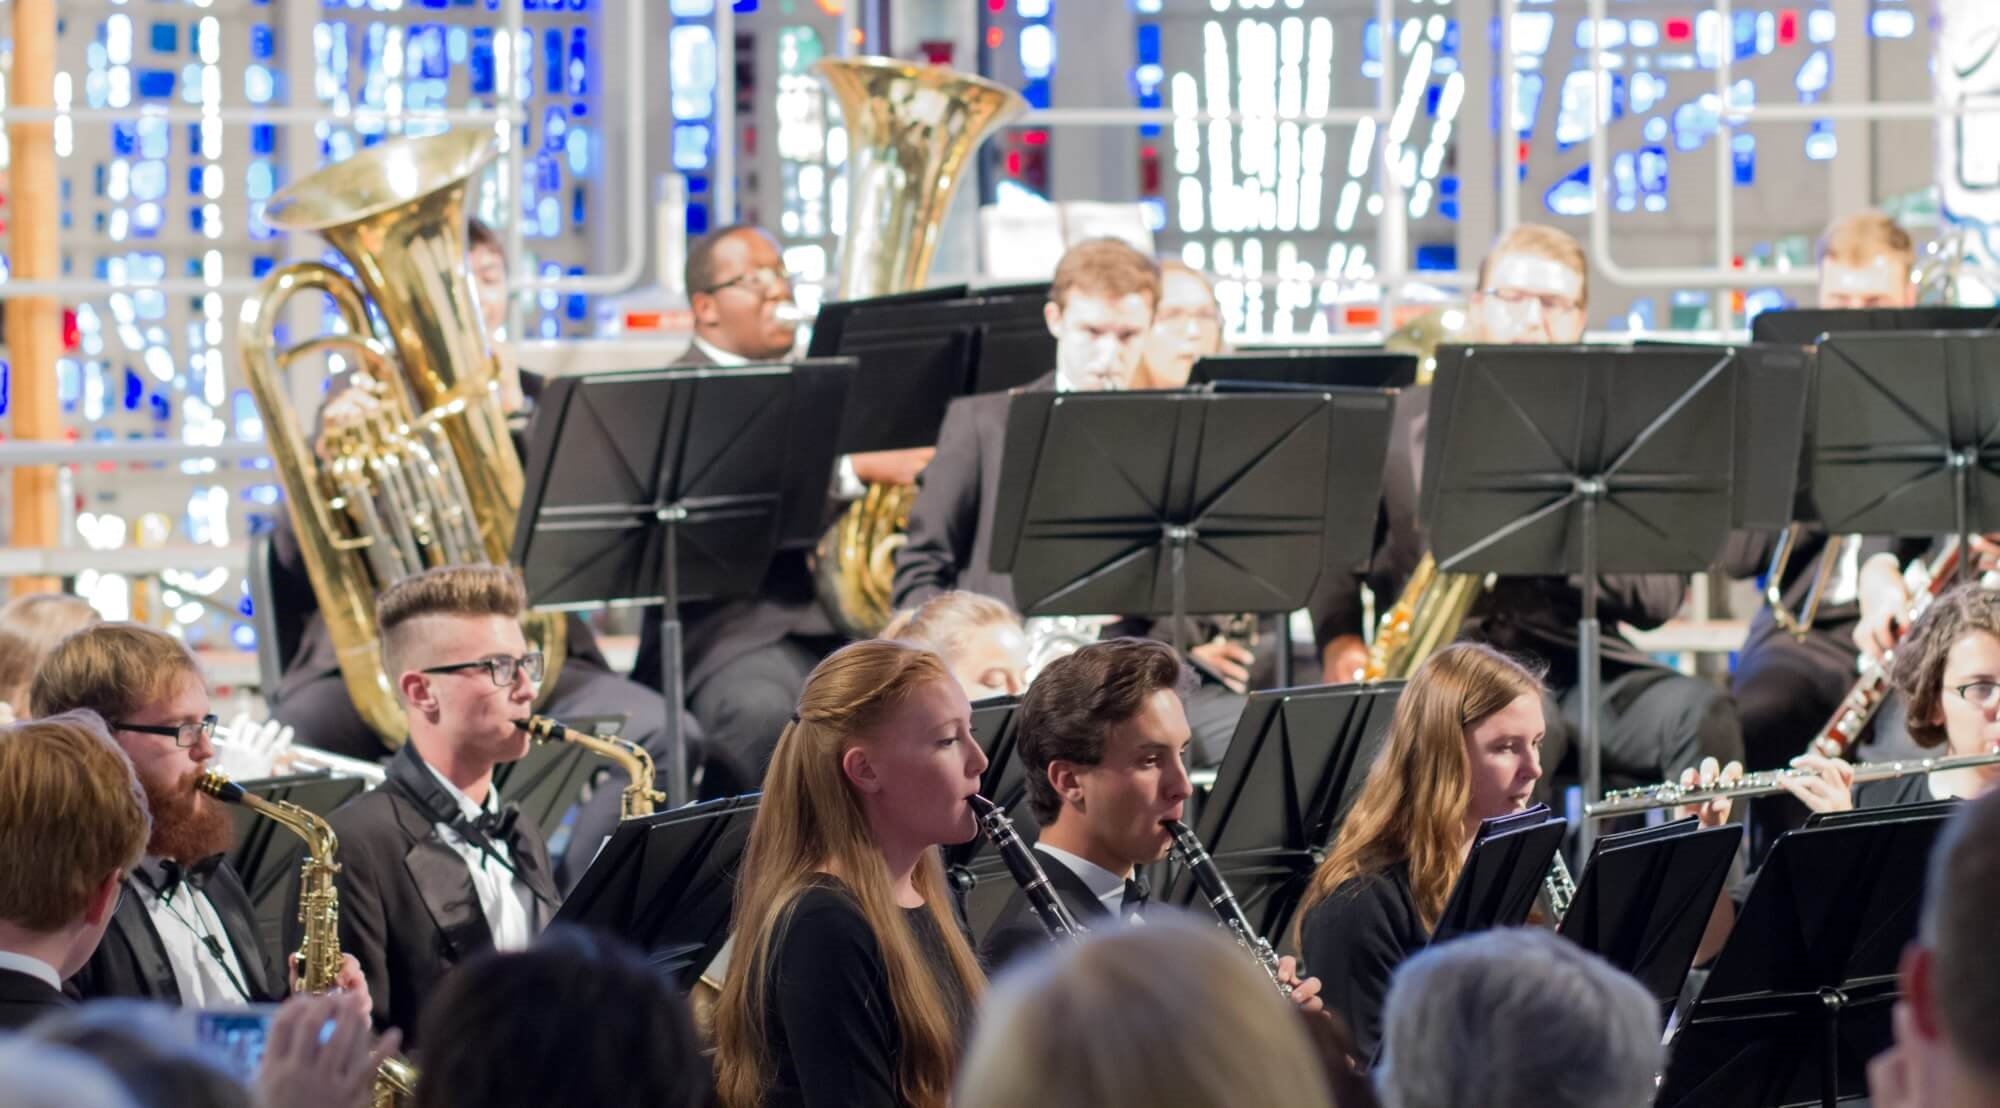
(764, 281)
(185, 735)
(1979, 694)
(501, 667)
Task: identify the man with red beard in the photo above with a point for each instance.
(184, 931)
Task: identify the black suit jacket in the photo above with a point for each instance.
(716, 633)
(132, 961)
(951, 523)
(25, 998)
(408, 910)
(1018, 930)
(315, 657)
(1527, 615)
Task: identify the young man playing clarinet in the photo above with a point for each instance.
(1104, 739)
(433, 869)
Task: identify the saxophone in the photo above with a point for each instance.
(319, 911)
(640, 797)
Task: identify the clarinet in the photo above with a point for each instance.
(1049, 908)
(1227, 911)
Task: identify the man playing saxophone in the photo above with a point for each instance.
(1533, 288)
(1103, 738)
(433, 867)
(184, 932)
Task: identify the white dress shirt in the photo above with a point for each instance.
(503, 897)
(717, 354)
(206, 967)
(1108, 887)
(33, 967)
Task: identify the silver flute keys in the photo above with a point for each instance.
(1227, 911)
(1671, 794)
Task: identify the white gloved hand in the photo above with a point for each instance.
(250, 748)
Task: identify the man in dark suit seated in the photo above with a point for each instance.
(1533, 288)
(433, 868)
(184, 931)
(73, 824)
(747, 658)
(1100, 309)
(1104, 741)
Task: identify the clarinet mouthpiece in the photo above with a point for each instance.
(980, 805)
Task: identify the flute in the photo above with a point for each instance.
(1670, 794)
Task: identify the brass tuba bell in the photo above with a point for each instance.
(432, 480)
(911, 133)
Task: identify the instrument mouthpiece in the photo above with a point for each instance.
(220, 787)
(541, 727)
(980, 805)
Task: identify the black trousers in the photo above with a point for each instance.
(323, 716)
(744, 705)
(1652, 723)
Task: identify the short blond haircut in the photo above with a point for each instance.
(74, 815)
(1128, 1018)
(1858, 239)
(947, 620)
(113, 669)
(445, 591)
(1106, 267)
(30, 627)
(1542, 241)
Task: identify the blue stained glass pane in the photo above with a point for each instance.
(578, 71)
(1432, 94)
(1743, 157)
(263, 138)
(162, 408)
(156, 84)
(427, 52)
(1439, 256)
(1149, 44)
(135, 390)
(165, 37)
(263, 44)
(554, 122)
(482, 62)
(697, 219)
(743, 6)
(576, 207)
(697, 183)
(1449, 47)
(124, 139)
(262, 264)
(552, 61)
(194, 180)
(1036, 92)
(6, 385)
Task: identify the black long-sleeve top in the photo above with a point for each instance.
(830, 1021)
(1354, 940)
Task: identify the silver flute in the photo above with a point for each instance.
(1669, 794)
(1228, 912)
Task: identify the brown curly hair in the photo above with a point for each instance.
(1917, 669)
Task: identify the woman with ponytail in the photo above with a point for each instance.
(852, 983)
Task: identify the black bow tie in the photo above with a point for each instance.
(1137, 892)
(496, 826)
(173, 874)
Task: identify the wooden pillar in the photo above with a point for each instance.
(34, 324)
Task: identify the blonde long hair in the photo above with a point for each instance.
(811, 822)
(1412, 808)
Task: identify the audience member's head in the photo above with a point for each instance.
(577, 1019)
(1948, 1022)
(1865, 261)
(1169, 1015)
(30, 627)
(979, 637)
(1188, 327)
(35, 1074)
(151, 1050)
(454, 649)
(151, 695)
(1534, 286)
(73, 822)
(1517, 1018)
(735, 281)
(1100, 310)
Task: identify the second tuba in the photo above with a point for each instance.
(433, 479)
(911, 133)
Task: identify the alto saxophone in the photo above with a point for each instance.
(319, 913)
(640, 797)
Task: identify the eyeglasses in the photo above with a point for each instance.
(766, 281)
(185, 735)
(501, 667)
(1182, 317)
(1979, 694)
(1550, 303)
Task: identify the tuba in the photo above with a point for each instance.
(911, 133)
(432, 479)
(1433, 605)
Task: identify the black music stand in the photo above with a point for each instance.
(1294, 767)
(666, 883)
(266, 856)
(1800, 997)
(1560, 461)
(1503, 874)
(1906, 434)
(1346, 369)
(1804, 326)
(664, 486)
(1645, 896)
(830, 322)
(979, 879)
(1195, 503)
